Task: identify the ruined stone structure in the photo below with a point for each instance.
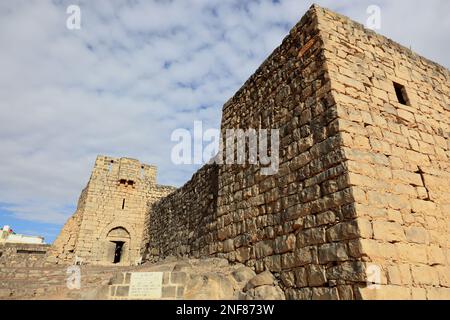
(22, 254)
(107, 227)
(363, 184)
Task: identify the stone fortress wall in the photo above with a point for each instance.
(363, 178)
(397, 156)
(183, 223)
(363, 185)
(111, 211)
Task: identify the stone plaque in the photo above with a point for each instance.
(146, 285)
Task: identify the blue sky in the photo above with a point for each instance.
(136, 71)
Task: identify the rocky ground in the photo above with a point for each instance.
(211, 279)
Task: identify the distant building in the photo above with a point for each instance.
(8, 236)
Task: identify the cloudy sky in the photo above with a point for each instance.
(133, 73)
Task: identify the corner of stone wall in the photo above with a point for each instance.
(395, 159)
(62, 251)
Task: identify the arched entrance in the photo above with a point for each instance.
(118, 244)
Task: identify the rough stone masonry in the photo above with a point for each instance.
(363, 179)
(107, 227)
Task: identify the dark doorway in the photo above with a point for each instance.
(118, 251)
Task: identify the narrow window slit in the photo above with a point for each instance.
(421, 172)
(400, 91)
(123, 204)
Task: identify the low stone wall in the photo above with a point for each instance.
(183, 222)
(22, 255)
(51, 282)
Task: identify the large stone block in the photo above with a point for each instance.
(300, 257)
(388, 231)
(385, 292)
(425, 275)
(351, 271)
(350, 230)
(438, 294)
(316, 275)
(331, 252)
(301, 277)
(311, 236)
(263, 249)
(325, 294)
(417, 235)
(284, 244)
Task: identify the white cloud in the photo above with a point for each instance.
(136, 71)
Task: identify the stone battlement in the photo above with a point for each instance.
(125, 170)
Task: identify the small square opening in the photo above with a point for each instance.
(402, 96)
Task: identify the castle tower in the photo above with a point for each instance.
(108, 224)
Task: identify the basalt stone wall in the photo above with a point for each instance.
(298, 222)
(184, 222)
(397, 151)
(362, 190)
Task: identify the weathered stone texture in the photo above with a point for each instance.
(363, 177)
(22, 255)
(111, 208)
(302, 218)
(397, 155)
(183, 223)
(200, 279)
